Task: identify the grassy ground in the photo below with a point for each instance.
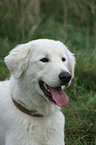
(74, 23)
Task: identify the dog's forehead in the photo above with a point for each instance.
(49, 47)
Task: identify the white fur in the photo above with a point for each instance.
(17, 128)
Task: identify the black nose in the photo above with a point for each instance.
(65, 77)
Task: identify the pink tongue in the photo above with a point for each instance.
(59, 96)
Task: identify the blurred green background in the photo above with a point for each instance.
(74, 23)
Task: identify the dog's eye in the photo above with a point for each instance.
(63, 59)
(44, 60)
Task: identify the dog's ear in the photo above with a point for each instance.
(71, 62)
(17, 60)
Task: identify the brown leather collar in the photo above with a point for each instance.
(26, 111)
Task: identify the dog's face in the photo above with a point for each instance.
(46, 66)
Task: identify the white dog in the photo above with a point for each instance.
(30, 101)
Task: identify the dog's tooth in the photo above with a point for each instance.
(45, 86)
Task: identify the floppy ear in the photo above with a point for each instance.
(17, 60)
(71, 62)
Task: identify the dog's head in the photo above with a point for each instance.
(44, 66)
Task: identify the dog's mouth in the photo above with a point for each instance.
(54, 94)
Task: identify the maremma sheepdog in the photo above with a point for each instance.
(30, 100)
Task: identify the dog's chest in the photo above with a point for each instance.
(37, 131)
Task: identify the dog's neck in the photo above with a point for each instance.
(32, 113)
(31, 101)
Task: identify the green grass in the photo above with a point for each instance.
(74, 23)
